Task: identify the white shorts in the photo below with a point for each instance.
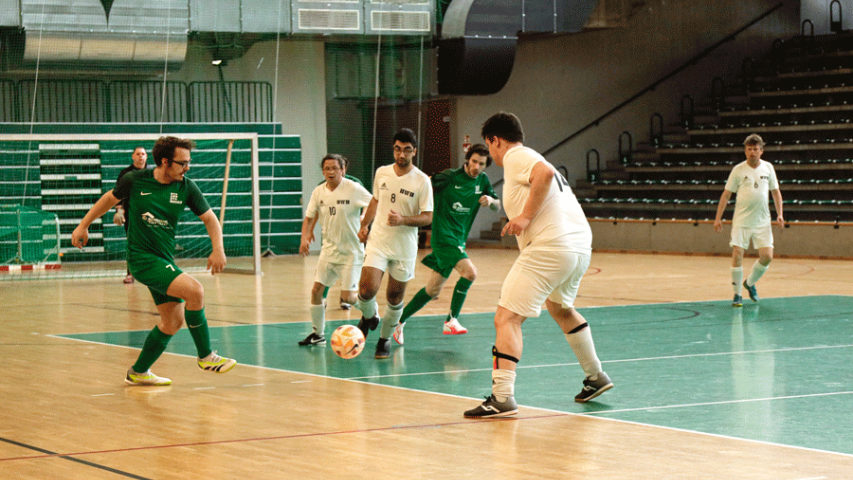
(400, 270)
(329, 273)
(539, 275)
(762, 237)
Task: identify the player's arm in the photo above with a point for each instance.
(540, 183)
(777, 200)
(307, 234)
(724, 202)
(420, 220)
(369, 215)
(216, 261)
(80, 236)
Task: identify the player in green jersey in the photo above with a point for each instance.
(159, 196)
(459, 194)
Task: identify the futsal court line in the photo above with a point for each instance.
(551, 413)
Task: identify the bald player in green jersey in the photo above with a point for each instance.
(159, 196)
(459, 193)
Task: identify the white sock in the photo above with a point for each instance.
(756, 273)
(318, 318)
(584, 348)
(737, 279)
(390, 320)
(503, 384)
(367, 307)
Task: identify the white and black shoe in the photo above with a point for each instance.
(492, 408)
(368, 324)
(594, 388)
(313, 339)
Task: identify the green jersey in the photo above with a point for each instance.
(457, 201)
(155, 209)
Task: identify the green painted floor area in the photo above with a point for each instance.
(778, 371)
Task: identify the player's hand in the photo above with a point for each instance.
(485, 201)
(304, 248)
(80, 237)
(363, 233)
(216, 262)
(718, 226)
(118, 218)
(395, 219)
(515, 226)
(780, 221)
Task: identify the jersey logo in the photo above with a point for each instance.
(407, 193)
(477, 189)
(152, 221)
(458, 187)
(459, 208)
(144, 193)
(173, 198)
(383, 187)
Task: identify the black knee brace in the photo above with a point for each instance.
(496, 355)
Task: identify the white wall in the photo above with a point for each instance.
(817, 11)
(560, 84)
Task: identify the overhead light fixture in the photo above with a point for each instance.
(217, 62)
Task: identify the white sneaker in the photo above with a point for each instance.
(215, 363)
(398, 333)
(145, 379)
(452, 327)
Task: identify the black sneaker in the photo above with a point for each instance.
(368, 324)
(492, 408)
(753, 293)
(383, 348)
(737, 301)
(345, 305)
(594, 388)
(313, 339)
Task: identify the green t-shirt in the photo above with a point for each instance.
(457, 201)
(155, 209)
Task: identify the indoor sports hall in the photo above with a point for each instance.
(642, 106)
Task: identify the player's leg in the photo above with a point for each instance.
(399, 274)
(739, 244)
(189, 289)
(318, 317)
(763, 240)
(171, 318)
(421, 298)
(467, 275)
(368, 286)
(349, 285)
(506, 354)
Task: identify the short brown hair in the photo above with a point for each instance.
(753, 139)
(165, 148)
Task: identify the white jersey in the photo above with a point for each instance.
(752, 188)
(560, 224)
(339, 213)
(408, 195)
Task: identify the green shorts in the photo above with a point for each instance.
(444, 257)
(156, 273)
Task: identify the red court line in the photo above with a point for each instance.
(286, 437)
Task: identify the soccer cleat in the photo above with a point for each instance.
(594, 388)
(753, 293)
(452, 327)
(313, 339)
(368, 324)
(737, 301)
(145, 379)
(128, 279)
(215, 363)
(398, 332)
(345, 305)
(492, 408)
(383, 348)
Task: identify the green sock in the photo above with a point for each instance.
(460, 291)
(325, 293)
(197, 324)
(416, 303)
(154, 346)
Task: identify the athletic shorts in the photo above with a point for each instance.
(762, 237)
(444, 258)
(400, 270)
(539, 275)
(156, 273)
(329, 273)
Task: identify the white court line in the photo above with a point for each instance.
(724, 402)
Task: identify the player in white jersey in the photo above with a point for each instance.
(751, 180)
(555, 243)
(337, 204)
(402, 202)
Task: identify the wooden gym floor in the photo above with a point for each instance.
(703, 390)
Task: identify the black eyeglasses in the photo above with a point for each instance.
(182, 164)
(407, 150)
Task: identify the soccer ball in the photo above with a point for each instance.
(347, 341)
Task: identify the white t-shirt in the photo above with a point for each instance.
(340, 218)
(752, 188)
(560, 224)
(408, 195)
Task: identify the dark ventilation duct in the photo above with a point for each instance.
(476, 49)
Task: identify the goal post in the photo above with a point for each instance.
(65, 174)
